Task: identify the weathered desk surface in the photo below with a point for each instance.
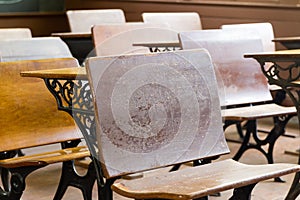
(291, 81)
(80, 44)
(289, 42)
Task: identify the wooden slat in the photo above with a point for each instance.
(195, 182)
(46, 157)
(256, 112)
(65, 73)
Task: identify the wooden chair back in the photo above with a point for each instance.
(178, 21)
(240, 80)
(119, 38)
(14, 33)
(33, 49)
(83, 20)
(155, 110)
(29, 114)
(263, 30)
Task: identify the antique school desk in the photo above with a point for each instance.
(72, 93)
(284, 72)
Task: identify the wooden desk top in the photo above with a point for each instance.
(287, 39)
(294, 53)
(65, 73)
(70, 35)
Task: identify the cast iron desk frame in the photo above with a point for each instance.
(72, 93)
(287, 62)
(71, 90)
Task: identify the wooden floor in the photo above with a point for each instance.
(42, 183)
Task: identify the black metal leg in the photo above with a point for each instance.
(294, 191)
(17, 182)
(251, 131)
(69, 177)
(239, 129)
(5, 178)
(3, 171)
(251, 127)
(104, 190)
(242, 193)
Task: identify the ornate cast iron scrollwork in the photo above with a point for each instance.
(285, 72)
(163, 49)
(74, 97)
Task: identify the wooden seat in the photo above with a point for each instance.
(29, 118)
(243, 89)
(178, 21)
(161, 109)
(33, 49)
(14, 33)
(83, 20)
(119, 38)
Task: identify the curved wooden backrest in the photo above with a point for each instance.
(29, 114)
(83, 20)
(119, 38)
(262, 30)
(155, 110)
(15, 33)
(179, 21)
(240, 80)
(33, 49)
